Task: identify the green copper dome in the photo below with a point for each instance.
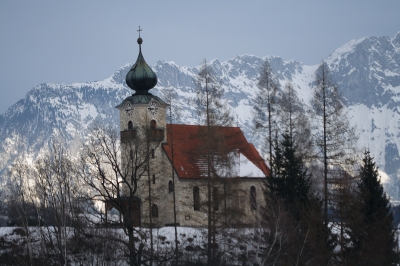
(141, 78)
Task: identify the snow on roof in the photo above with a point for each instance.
(247, 168)
(187, 142)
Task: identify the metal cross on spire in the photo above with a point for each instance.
(139, 30)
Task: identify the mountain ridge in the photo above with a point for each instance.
(367, 71)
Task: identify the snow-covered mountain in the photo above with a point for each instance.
(367, 71)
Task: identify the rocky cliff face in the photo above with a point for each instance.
(367, 71)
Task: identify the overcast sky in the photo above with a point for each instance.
(77, 41)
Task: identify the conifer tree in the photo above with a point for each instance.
(371, 232)
(291, 181)
(302, 226)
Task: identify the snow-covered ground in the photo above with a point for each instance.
(232, 244)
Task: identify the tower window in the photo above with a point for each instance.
(170, 186)
(196, 198)
(154, 211)
(152, 153)
(153, 124)
(130, 125)
(253, 198)
(154, 179)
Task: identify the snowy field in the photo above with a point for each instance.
(233, 245)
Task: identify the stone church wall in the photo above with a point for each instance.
(234, 206)
(234, 198)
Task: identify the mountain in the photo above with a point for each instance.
(367, 71)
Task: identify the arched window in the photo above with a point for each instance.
(196, 198)
(131, 154)
(153, 124)
(216, 199)
(253, 198)
(154, 179)
(170, 186)
(154, 211)
(130, 125)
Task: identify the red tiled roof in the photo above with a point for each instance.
(186, 140)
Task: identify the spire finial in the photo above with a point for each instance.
(141, 78)
(139, 40)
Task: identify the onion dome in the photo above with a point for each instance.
(141, 78)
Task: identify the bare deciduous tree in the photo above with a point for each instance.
(46, 194)
(57, 189)
(213, 112)
(335, 138)
(20, 196)
(264, 104)
(113, 174)
(170, 96)
(295, 123)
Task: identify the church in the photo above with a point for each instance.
(175, 178)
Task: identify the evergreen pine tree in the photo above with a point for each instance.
(291, 182)
(303, 225)
(371, 232)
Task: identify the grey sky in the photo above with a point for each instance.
(77, 41)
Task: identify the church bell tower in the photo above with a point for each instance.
(142, 116)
